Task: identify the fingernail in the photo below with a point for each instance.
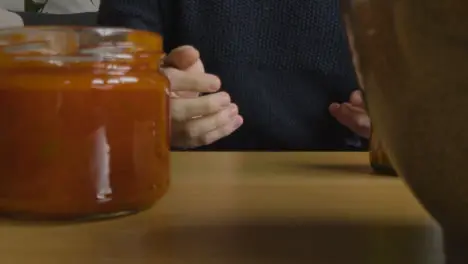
(238, 122)
(233, 110)
(215, 85)
(225, 99)
(335, 106)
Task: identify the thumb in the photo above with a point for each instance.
(182, 58)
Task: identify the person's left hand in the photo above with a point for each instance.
(353, 115)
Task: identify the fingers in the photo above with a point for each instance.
(355, 118)
(346, 113)
(182, 57)
(192, 81)
(196, 128)
(186, 73)
(208, 129)
(183, 109)
(356, 99)
(197, 120)
(220, 132)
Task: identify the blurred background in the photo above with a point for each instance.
(51, 6)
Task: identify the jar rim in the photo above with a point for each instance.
(59, 45)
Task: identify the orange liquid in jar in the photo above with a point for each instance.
(82, 143)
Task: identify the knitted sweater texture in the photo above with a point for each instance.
(282, 62)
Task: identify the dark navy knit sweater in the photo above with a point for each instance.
(282, 62)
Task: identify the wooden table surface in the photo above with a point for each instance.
(246, 208)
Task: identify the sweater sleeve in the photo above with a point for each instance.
(135, 14)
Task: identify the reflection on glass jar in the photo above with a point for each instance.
(84, 116)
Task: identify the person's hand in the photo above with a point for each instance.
(197, 120)
(353, 115)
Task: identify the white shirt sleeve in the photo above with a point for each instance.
(70, 6)
(10, 19)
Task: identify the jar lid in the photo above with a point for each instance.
(59, 45)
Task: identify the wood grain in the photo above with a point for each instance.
(321, 208)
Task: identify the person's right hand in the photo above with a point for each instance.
(197, 120)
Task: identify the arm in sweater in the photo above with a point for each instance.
(155, 16)
(135, 14)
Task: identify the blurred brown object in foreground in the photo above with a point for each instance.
(378, 157)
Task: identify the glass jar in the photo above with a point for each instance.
(84, 117)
